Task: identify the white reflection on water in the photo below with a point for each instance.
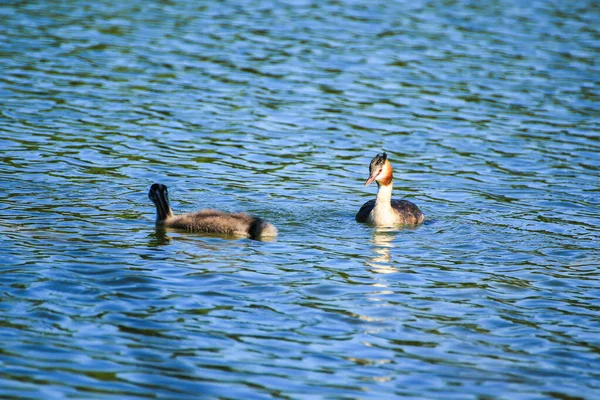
(383, 239)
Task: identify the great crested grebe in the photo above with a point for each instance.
(208, 220)
(385, 211)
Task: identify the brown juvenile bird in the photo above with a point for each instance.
(207, 220)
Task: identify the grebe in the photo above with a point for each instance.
(384, 211)
(208, 220)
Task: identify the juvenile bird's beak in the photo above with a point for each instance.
(370, 180)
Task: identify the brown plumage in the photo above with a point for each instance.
(385, 211)
(207, 220)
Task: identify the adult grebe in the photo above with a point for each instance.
(208, 220)
(383, 211)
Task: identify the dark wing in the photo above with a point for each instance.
(408, 211)
(364, 211)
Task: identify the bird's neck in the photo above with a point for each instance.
(163, 209)
(384, 195)
(383, 213)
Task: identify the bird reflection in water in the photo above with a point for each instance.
(159, 237)
(382, 244)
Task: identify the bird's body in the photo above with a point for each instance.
(208, 220)
(402, 212)
(385, 211)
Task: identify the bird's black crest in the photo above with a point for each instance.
(157, 188)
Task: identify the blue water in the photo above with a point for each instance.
(488, 111)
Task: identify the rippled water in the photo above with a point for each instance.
(489, 112)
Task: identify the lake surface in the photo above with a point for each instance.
(489, 113)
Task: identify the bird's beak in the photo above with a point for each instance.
(370, 180)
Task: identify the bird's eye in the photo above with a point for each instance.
(380, 169)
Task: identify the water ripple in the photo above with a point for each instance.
(488, 113)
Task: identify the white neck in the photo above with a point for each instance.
(383, 214)
(384, 195)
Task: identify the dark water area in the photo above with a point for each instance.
(488, 111)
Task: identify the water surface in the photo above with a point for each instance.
(488, 112)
